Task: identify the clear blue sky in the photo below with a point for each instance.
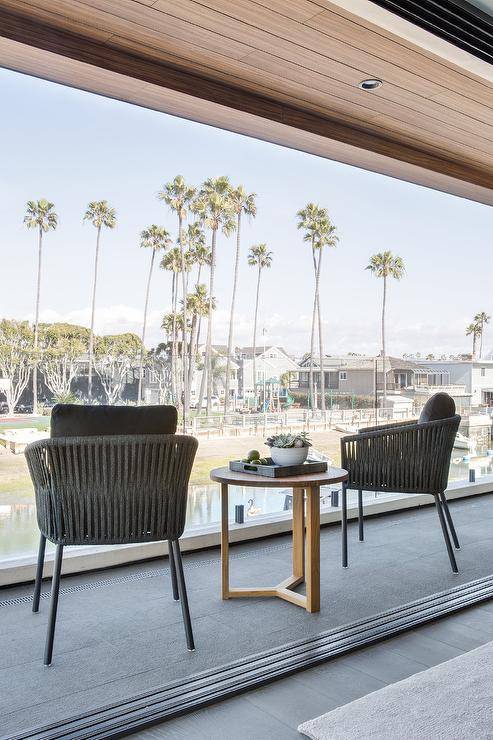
(72, 147)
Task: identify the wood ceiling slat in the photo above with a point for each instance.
(136, 20)
(298, 10)
(48, 16)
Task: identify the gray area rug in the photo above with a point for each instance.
(452, 701)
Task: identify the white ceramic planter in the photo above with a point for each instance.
(289, 455)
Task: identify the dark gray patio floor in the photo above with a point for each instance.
(119, 632)
(274, 712)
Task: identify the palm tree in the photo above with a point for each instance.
(100, 214)
(168, 320)
(198, 307)
(40, 215)
(481, 319)
(200, 256)
(178, 196)
(242, 203)
(474, 330)
(214, 208)
(198, 252)
(313, 220)
(385, 265)
(172, 262)
(258, 256)
(325, 237)
(154, 238)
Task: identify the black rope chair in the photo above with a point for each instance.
(103, 480)
(406, 457)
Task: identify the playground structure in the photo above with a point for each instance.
(271, 396)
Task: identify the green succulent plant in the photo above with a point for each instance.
(289, 440)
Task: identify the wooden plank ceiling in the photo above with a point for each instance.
(283, 70)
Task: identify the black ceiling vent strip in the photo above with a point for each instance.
(456, 21)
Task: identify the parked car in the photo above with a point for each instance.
(214, 403)
(24, 408)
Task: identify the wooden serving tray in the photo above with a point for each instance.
(277, 471)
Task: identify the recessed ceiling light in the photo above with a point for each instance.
(371, 84)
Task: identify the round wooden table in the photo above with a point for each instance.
(306, 560)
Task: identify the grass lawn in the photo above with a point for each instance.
(16, 484)
(41, 423)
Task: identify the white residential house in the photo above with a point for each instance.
(476, 375)
(270, 365)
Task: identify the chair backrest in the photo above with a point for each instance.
(409, 458)
(72, 420)
(439, 406)
(111, 490)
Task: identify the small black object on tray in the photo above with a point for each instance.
(271, 470)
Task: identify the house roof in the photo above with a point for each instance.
(221, 349)
(353, 362)
(260, 350)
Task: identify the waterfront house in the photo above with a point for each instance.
(361, 376)
(476, 375)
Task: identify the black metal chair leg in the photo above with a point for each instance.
(39, 572)
(446, 537)
(361, 534)
(450, 522)
(172, 567)
(55, 588)
(344, 525)
(182, 590)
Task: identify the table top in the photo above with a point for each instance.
(331, 475)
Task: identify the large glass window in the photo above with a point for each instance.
(162, 204)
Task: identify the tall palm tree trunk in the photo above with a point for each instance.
(197, 340)
(93, 307)
(481, 329)
(254, 365)
(474, 338)
(183, 372)
(208, 348)
(195, 351)
(193, 341)
(320, 333)
(174, 339)
(384, 354)
(144, 325)
(312, 333)
(231, 315)
(36, 323)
